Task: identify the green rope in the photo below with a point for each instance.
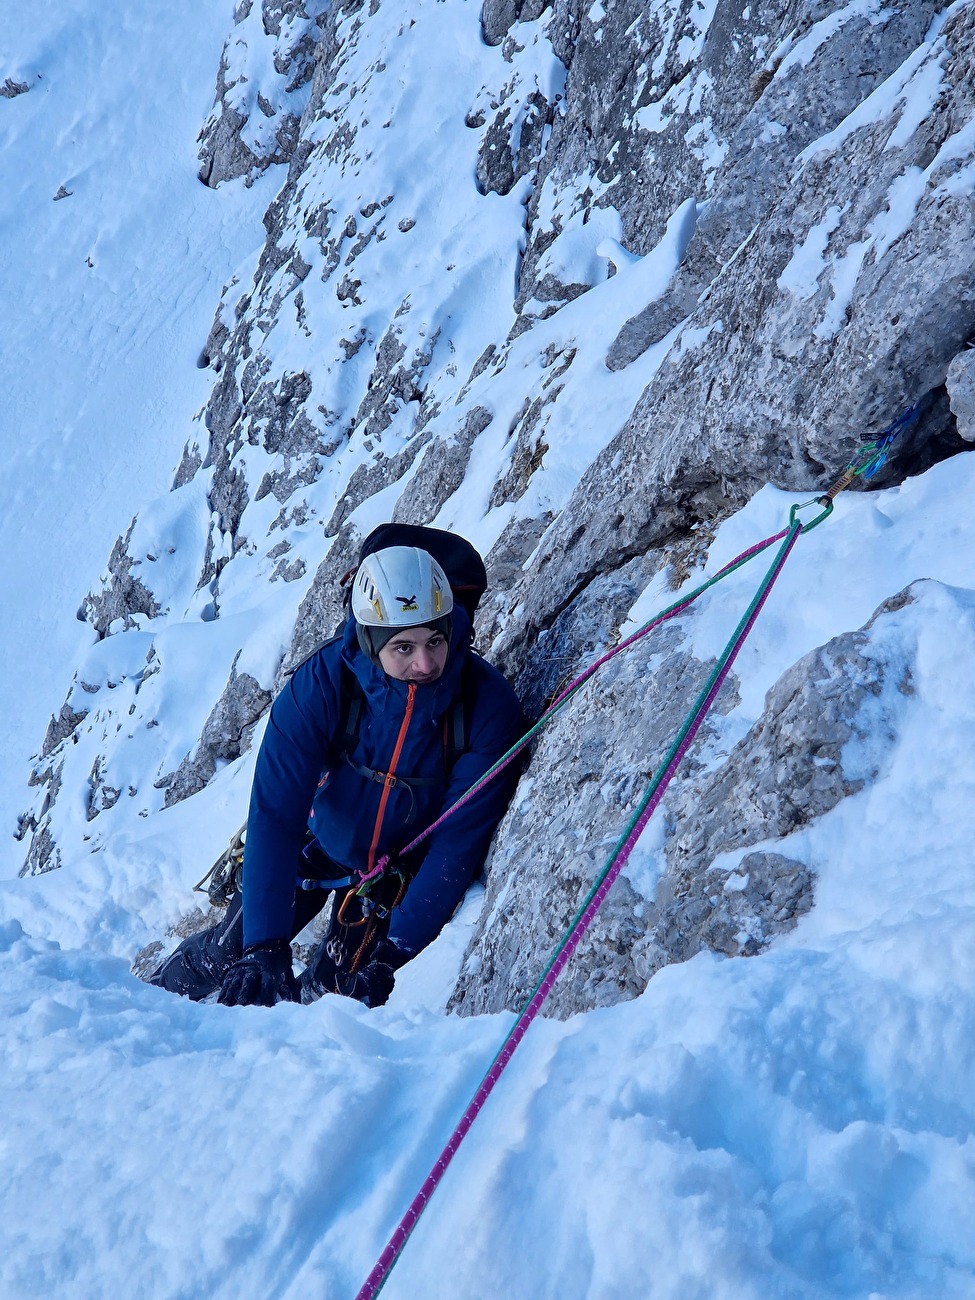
(693, 718)
(681, 603)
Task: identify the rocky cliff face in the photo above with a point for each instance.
(575, 280)
(262, 89)
(716, 883)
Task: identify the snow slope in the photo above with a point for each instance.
(794, 1125)
(108, 297)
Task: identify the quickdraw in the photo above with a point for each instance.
(872, 456)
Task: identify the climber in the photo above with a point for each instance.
(377, 732)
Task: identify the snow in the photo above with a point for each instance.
(845, 274)
(98, 368)
(801, 275)
(796, 1125)
(574, 255)
(802, 52)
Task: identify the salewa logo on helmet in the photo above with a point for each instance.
(407, 603)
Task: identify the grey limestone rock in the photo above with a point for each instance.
(254, 124)
(643, 126)
(825, 730)
(787, 104)
(736, 914)
(190, 462)
(441, 469)
(960, 382)
(322, 611)
(369, 478)
(789, 769)
(59, 729)
(529, 431)
(11, 88)
(585, 778)
(588, 625)
(43, 853)
(499, 16)
(124, 595)
(228, 498)
(505, 563)
(101, 795)
(399, 381)
(750, 393)
(501, 162)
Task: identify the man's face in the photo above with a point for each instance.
(417, 654)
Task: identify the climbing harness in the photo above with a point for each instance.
(865, 465)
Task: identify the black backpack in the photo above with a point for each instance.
(456, 556)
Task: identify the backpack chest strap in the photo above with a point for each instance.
(412, 783)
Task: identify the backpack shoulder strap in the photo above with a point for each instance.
(351, 702)
(456, 726)
(457, 722)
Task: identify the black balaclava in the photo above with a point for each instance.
(372, 639)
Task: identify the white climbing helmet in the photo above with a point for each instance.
(400, 586)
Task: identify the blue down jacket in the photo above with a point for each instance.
(302, 781)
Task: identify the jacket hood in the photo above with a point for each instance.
(433, 699)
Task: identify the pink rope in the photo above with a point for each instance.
(560, 699)
(398, 1240)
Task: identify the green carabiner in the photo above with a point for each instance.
(801, 505)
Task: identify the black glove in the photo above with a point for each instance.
(374, 983)
(261, 977)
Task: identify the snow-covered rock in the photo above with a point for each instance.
(575, 281)
(262, 88)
